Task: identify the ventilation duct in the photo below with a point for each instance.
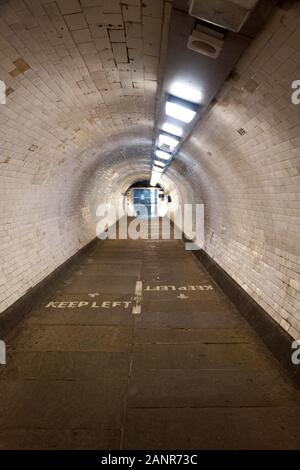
(206, 41)
(229, 14)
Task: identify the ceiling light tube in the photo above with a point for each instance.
(186, 92)
(163, 155)
(157, 163)
(155, 177)
(181, 110)
(171, 129)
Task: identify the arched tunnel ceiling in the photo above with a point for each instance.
(81, 83)
(82, 79)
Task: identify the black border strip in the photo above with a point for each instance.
(17, 311)
(272, 334)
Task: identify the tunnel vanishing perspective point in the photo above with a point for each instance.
(149, 211)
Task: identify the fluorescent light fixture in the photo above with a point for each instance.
(155, 177)
(171, 129)
(157, 163)
(186, 92)
(182, 110)
(166, 139)
(163, 155)
(157, 168)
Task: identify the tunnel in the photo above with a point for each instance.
(129, 331)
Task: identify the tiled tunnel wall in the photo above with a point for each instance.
(77, 128)
(251, 182)
(81, 79)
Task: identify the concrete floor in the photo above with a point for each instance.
(86, 370)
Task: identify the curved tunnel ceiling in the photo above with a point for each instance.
(75, 84)
(82, 83)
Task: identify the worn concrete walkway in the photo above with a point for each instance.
(138, 348)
